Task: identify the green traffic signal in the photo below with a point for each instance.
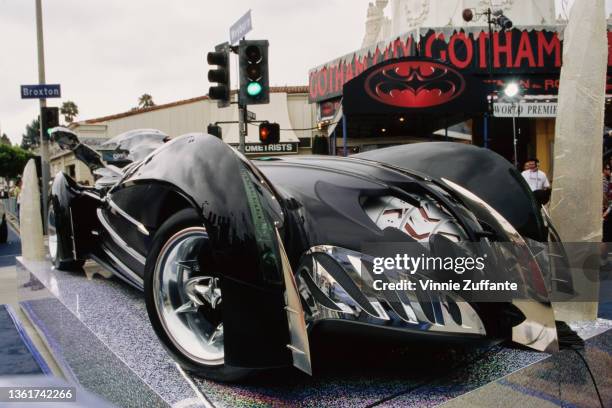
(253, 72)
(254, 88)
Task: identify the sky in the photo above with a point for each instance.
(106, 53)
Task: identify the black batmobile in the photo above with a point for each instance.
(240, 259)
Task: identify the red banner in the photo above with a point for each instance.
(514, 52)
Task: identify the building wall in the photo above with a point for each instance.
(387, 19)
(174, 121)
(545, 136)
(303, 116)
(184, 118)
(177, 119)
(62, 162)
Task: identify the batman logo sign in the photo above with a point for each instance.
(414, 84)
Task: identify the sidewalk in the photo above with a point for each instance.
(11, 249)
(8, 277)
(8, 289)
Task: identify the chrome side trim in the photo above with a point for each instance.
(115, 208)
(74, 254)
(132, 275)
(118, 239)
(92, 195)
(538, 330)
(354, 297)
(299, 346)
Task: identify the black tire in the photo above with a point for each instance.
(69, 264)
(186, 219)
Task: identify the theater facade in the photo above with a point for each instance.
(447, 84)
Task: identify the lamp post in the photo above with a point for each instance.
(511, 91)
(494, 17)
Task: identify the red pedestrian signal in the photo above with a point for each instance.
(269, 133)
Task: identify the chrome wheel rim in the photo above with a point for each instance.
(52, 233)
(187, 301)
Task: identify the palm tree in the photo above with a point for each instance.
(145, 101)
(5, 140)
(70, 110)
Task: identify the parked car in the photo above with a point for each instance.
(240, 260)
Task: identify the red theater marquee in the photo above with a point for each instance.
(516, 52)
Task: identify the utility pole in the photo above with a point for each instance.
(243, 122)
(44, 144)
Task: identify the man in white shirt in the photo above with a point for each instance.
(536, 178)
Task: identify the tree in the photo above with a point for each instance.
(145, 101)
(12, 160)
(5, 140)
(70, 110)
(31, 138)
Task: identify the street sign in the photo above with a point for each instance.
(251, 116)
(41, 91)
(240, 28)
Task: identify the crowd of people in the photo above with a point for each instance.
(13, 191)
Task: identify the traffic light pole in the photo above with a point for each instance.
(44, 143)
(243, 122)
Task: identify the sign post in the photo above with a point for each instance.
(243, 123)
(44, 142)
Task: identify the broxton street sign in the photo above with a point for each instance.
(41, 91)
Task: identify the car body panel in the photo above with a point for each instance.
(267, 217)
(479, 170)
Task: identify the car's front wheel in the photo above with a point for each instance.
(184, 300)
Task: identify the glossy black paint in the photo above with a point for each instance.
(201, 171)
(323, 195)
(485, 173)
(71, 202)
(309, 200)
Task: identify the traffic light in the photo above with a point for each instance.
(253, 72)
(269, 133)
(214, 130)
(49, 119)
(220, 75)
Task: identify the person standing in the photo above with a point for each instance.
(17, 193)
(535, 177)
